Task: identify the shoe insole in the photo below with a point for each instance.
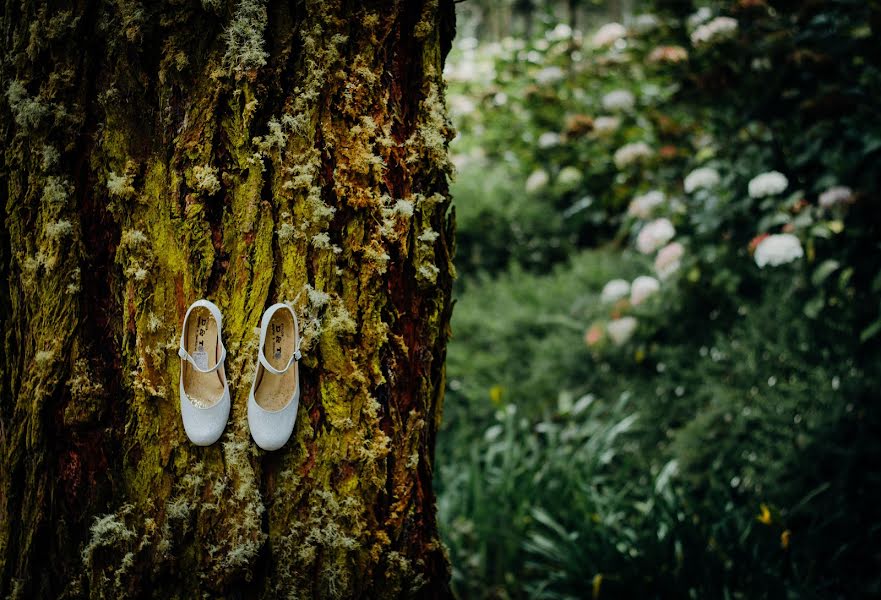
(203, 389)
(273, 392)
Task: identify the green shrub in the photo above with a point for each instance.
(715, 434)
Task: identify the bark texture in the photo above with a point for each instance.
(246, 151)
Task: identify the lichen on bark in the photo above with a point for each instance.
(250, 152)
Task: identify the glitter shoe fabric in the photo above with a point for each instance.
(204, 426)
(205, 409)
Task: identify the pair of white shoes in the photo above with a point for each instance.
(204, 391)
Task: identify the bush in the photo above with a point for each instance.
(708, 425)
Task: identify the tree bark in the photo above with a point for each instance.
(248, 152)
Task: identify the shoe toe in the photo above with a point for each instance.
(204, 426)
(271, 430)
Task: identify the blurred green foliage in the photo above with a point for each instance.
(728, 447)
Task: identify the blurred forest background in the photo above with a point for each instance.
(664, 378)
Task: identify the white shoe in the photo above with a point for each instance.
(275, 393)
(204, 392)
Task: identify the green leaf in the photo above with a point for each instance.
(871, 331)
(820, 230)
(771, 221)
(822, 272)
(814, 306)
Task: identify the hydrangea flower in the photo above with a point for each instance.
(561, 32)
(605, 125)
(642, 206)
(549, 75)
(668, 54)
(621, 330)
(669, 259)
(767, 184)
(593, 335)
(717, 29)
(615, 290)
(702, 178)
(608, 34)
(569, 177)
(619, 100)
(835, 196)
(778, 249)
(537, 180)
(643, 287)
(630, 153)
(548, 139)
(654, 235)
(701, 16)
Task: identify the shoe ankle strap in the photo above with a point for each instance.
(186, 356)
(295, 357)
(182, 351)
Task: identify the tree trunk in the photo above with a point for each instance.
(248, 152)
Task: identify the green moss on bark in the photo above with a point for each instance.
(280, 156)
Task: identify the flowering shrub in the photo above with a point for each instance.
(615, 290)
(767, 184)
(668, 259)
(713, 31)
(702, 178)
(663, 381)
(608, 34)
(619, 100)
(778, 249)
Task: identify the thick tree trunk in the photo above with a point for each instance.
(247, 152)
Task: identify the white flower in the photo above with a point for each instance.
(700, 17)
(642, 206)
(767, 184)
(654, 235)
(702, 178)
(470, 68)
(461, 105)
(643, 287)
(631, 153)
(717, 29)
(835, 196)
(618, 100)
(615, 290)
(608, 34)
(537, 180)
(548, 139)
(549, 75)
(778, 249)
(560, 32)
(668, 259)
(621, 330)
(645, 22)
(569, 177)
(604, 125)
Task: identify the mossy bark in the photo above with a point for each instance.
(248, 152)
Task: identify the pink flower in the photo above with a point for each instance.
(594, 335)
(643, 287)
(654, 235)
(668, 260)
(668, 54)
